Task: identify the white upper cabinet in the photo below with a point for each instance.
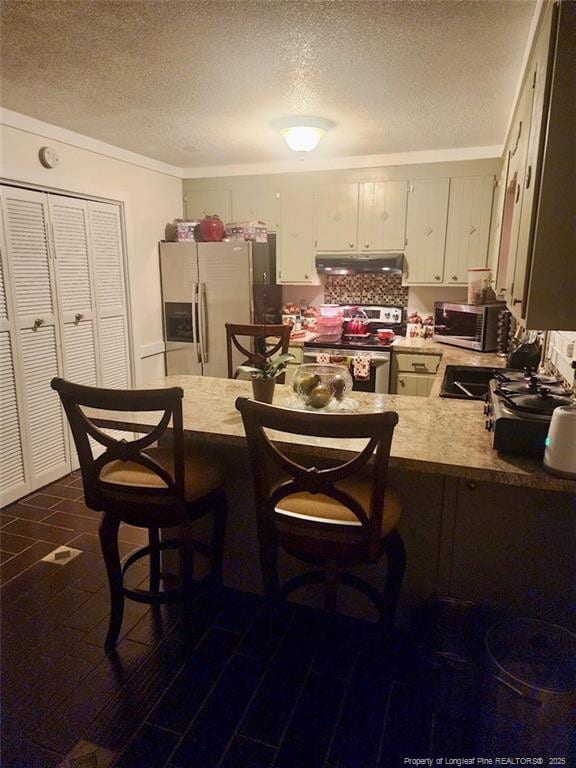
(257, 204)
(382, 216)
(426, 231)
(296, 241)
(541, 266)
(207, 202)
(337, 218)
(469, 213)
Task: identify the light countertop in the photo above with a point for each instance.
(436, 435)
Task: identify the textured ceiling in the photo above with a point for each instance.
(198, 83)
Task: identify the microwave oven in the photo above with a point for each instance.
(473, 326)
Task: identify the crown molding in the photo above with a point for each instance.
(296, 165)
(341, 163)
(64, 136)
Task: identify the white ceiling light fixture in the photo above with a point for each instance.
(302, 133)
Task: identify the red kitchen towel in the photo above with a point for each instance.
(361, 367)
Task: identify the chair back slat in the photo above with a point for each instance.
(377, 428)
(257, 334)
(75, 397)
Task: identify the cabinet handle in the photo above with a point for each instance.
(517, 193)
(366, 245)
(306, 277)
(37, 323)
(436, 277)
(420, 367)
(454, 277)
(401, 382)
(351, 245)
(471, 485)
(528, 177)
(517, 301)
(77, 317)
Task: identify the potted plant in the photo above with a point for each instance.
(263, 373)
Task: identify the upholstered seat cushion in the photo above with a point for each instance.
(203, 473)
(324, 509)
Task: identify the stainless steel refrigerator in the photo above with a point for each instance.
(204, 286)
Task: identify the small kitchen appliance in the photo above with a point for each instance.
(519, 409)
(560, 451)
(473, 326)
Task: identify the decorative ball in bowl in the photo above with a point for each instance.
(318, 385)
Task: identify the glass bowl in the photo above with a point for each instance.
(317, 385)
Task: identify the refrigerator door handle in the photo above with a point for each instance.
(195, 321)
(203, 323)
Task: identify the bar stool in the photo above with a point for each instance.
(259, 333)
(334, 518)
(147, 486)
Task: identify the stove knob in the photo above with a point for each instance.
(486, 409)
(488, 425)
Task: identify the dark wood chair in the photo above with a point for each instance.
(258, 334)
(149, 486)
(331, 517)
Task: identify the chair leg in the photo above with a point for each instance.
(218, 535)
(268, 548)
(396, 566)
(187, 550)
(109, 542)
(154, 542)
(331, 587)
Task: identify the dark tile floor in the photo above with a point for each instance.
(227, 684)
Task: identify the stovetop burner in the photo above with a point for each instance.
(370, 342)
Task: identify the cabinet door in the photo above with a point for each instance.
(469, 213)
(337, 217)
(426, 231)
(14, 474)
(296, 243)
(262, 205)
(416, 384)
(34, 297)
(382, 218)
(201, 203)
(516, 174)
(537, 78)
(107, 253)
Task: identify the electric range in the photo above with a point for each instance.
(347, 346)
(519, 408)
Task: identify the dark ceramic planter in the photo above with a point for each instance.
(263, 389)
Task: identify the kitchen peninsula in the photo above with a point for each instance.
(477, 525)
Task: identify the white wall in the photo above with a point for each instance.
(151, 198)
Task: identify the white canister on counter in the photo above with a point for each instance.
(479, 290)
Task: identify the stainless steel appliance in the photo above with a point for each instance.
(358, 263)
(519, 408)
(375, 317)
(379, 378)
(473, 326)
(204, 286)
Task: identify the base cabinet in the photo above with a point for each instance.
(515, 549)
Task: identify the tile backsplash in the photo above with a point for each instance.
(365, 289)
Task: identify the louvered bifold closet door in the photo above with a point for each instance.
(75, 285)
(106, 241)
(29, 255)
(13, 473)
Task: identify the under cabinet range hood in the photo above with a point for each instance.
(354, 263)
